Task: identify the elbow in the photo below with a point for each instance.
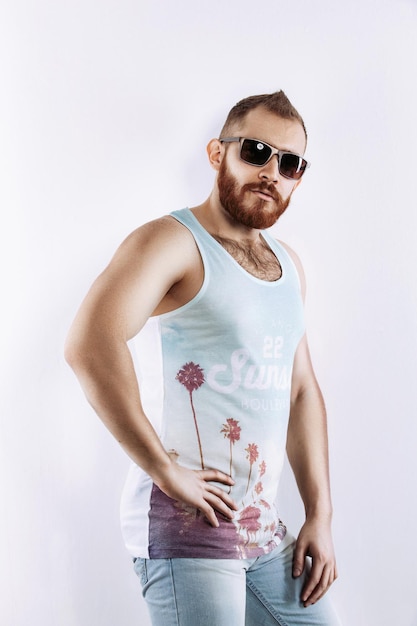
(88, 353)
(76, 354)
(72, 355)
(81, 344)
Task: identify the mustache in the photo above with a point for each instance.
(267, 188)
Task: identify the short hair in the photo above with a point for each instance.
(276, 102)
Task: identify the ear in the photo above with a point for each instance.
(215, 152)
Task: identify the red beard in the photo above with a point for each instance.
(260, 214)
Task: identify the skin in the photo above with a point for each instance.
(158, 269)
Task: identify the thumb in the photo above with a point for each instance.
(299, 558)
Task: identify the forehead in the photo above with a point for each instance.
(269, 127)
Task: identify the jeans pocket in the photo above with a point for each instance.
(139, 565)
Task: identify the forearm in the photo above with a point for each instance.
(307, 448)
(106, 373)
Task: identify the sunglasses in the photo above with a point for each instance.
(258, 153)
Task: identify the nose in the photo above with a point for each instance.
(270, 171)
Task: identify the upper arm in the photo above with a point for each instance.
(296, 260)
(303, 375)
(147, 264)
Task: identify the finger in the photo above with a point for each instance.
(317, 584)
(318, 593)
(312, 581)
(219, 505)
(299, 559)
(212, 502)
(208, 511)
(222, 495)
(216, 476)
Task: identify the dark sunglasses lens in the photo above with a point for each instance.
(254, 152)
(292, 166)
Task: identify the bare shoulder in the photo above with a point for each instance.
(158, 233)
(297, 262)
(164, 246)
(151, 262)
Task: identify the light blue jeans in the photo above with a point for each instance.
(229, 592)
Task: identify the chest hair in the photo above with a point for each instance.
(257, 260)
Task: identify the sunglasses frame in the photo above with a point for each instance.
(274, 151)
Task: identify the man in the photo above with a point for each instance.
(225, 383)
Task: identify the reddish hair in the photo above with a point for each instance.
(276, 102)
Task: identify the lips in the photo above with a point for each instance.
(265, 192)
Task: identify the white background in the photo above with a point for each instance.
(105, 111)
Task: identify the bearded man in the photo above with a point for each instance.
(222, 388)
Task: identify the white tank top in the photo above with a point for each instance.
(215, 381)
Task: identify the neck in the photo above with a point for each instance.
(217, 221)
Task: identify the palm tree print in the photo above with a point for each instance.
(258, 488)
(231, 431)
(249, 520)
(192, 377)
(252, 456)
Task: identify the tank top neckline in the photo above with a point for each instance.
(273, 245)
